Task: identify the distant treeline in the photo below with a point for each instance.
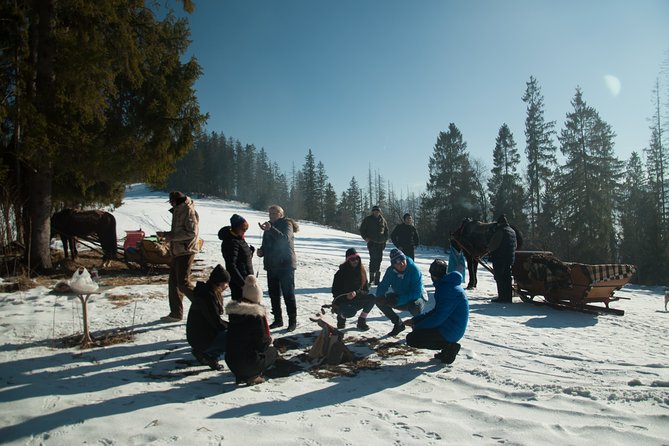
(592, 208)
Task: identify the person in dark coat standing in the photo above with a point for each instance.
(374, 230)
(238, 254)
(350, 290)
(502, 249)
(280, 262)
(405, 237)
(442, 327)
(206, 332)
(249, 352)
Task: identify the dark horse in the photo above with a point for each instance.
(474, 236)
(98, 226)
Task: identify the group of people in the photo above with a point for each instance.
(246, 339)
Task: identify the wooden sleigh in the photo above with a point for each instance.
(569, 285)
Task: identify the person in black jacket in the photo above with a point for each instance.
(249, 352)
(238, 254)
(205, 330)
(405, 236)
(502, 249)
(350, 290)
(374, 230)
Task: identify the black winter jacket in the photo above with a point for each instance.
(204, 317)
(238, 256)
(405, 236)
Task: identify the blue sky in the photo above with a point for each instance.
(372, 82)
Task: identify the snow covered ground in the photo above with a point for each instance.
(526, 374)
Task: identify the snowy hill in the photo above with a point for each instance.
(526, 374)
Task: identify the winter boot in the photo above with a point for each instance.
(362, 324)
(341, 322)
(377, 277)
(397, 329)
(278, 322)
(292, 322)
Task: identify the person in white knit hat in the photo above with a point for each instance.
(249, 352)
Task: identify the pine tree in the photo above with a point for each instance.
(451, 191)
(98, 90)
(587, 183)
(505, 185)
(540, 152)
(637, 240)
(308, 188)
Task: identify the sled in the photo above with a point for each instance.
(569, 285)
(146, 251)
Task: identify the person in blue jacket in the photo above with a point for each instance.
(408, 293)
(443, 326)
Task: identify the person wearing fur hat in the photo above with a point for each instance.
(249, 352)
(405, 236)
(183, 238)
(442, 327)
(238, 254)
(205, 329)
(350, 289)
(280, 262)
(374, 230)
(408, 292)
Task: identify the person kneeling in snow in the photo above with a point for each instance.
(205, 330)
(408, 293)
(249, 351)
(350, 289)
(443, 326)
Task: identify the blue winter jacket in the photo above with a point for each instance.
(451, 311)
(408, 285)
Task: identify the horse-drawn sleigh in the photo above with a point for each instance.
(568, 284)
(97, 230)
(540, 273)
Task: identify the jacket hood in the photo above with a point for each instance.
(454, 278)
(245, 309)
(296, 226)
(224, 232)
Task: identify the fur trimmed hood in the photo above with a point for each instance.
(245, 309)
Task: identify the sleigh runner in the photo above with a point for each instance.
(571, 285)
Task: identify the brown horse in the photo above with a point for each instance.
(474, 237)
(97, 226)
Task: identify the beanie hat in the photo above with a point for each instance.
(251, 290)
(351, 253)
(396, 256)
(376, 208)
(219, 275)
(438, 268)
(502, 220)
(237, 220)
(177, 196)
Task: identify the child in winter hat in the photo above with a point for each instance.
(251, 291)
